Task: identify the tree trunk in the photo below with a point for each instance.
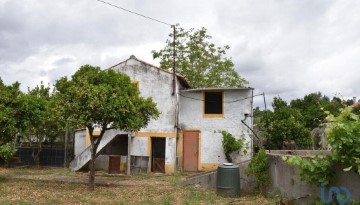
(94, 145)
(36, 156)
(228, 157)
(92, 170)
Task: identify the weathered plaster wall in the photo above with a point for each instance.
(286, 180)
(139, 146)
(80, 141)
(191, 117)
(156, 84)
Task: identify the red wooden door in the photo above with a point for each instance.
(114, 164)
(191, 150)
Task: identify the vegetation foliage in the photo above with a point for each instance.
(283, 125)
(343, 137)
(104, 100)
(259, 167)
(9, 115)
(40, 121)
(231, 144)
(7, 152)
(292, 123)
(202, 62)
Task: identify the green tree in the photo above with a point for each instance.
(8, 105)
(343, 137)
(312, 108)
(202, 62)
(39, 121)
(284, 124)
(103, 99)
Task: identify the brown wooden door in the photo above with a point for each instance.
(191, 150)
(114, 164)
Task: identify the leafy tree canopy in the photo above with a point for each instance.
(38, 119)
(202, 62)
(284, 124)
(8, 105)
(312, 107)
(95, 97)
(105, 99)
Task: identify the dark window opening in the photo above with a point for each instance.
(158, 154)
(213, 103)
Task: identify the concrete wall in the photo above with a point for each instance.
(79, 141)
(208, 180)
(286, 180)
(191, 117)
(156, 84)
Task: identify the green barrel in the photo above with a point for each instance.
(228, 180)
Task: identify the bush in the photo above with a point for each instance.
(343, 137)
(231, 144)
(259, 167)
(7, 152)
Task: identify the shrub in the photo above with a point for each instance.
(231, 144)
(259, 167)
(7, 152)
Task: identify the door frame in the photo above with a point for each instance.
(199, 147)
(151, 158)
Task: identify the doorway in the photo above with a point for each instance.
(191, 150)
(158, 154)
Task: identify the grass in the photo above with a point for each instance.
(143, 189)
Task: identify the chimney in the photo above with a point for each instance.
(354, 99)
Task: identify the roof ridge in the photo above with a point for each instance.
(181, 77)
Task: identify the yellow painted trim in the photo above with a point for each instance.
(199, 155)
(123, 166)
(191, 129)
(96, 133)
(169, 168)
(149, 148)
(213, 115)
(180, 149)
(155, 134)
(87, 139)
(209, 166)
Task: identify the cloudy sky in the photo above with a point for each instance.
(285, 48)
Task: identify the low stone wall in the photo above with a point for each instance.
(286, 179)
(208, 179)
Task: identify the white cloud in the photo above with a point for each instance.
(284, 48)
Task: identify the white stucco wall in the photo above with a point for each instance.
(170, 151)
(80, 141)
(156, 84)
(191, 117)
(139, 146)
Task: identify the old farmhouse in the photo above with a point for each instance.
(186, 135)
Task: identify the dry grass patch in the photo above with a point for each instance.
(137, 189)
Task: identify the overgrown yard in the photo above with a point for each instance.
(60, 186)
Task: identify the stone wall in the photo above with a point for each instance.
(286, 179)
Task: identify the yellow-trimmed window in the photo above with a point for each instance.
(213, 104)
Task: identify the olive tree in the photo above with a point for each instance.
(107, 99)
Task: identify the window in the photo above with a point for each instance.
(213, 104)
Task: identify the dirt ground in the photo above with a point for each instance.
(61, 186)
